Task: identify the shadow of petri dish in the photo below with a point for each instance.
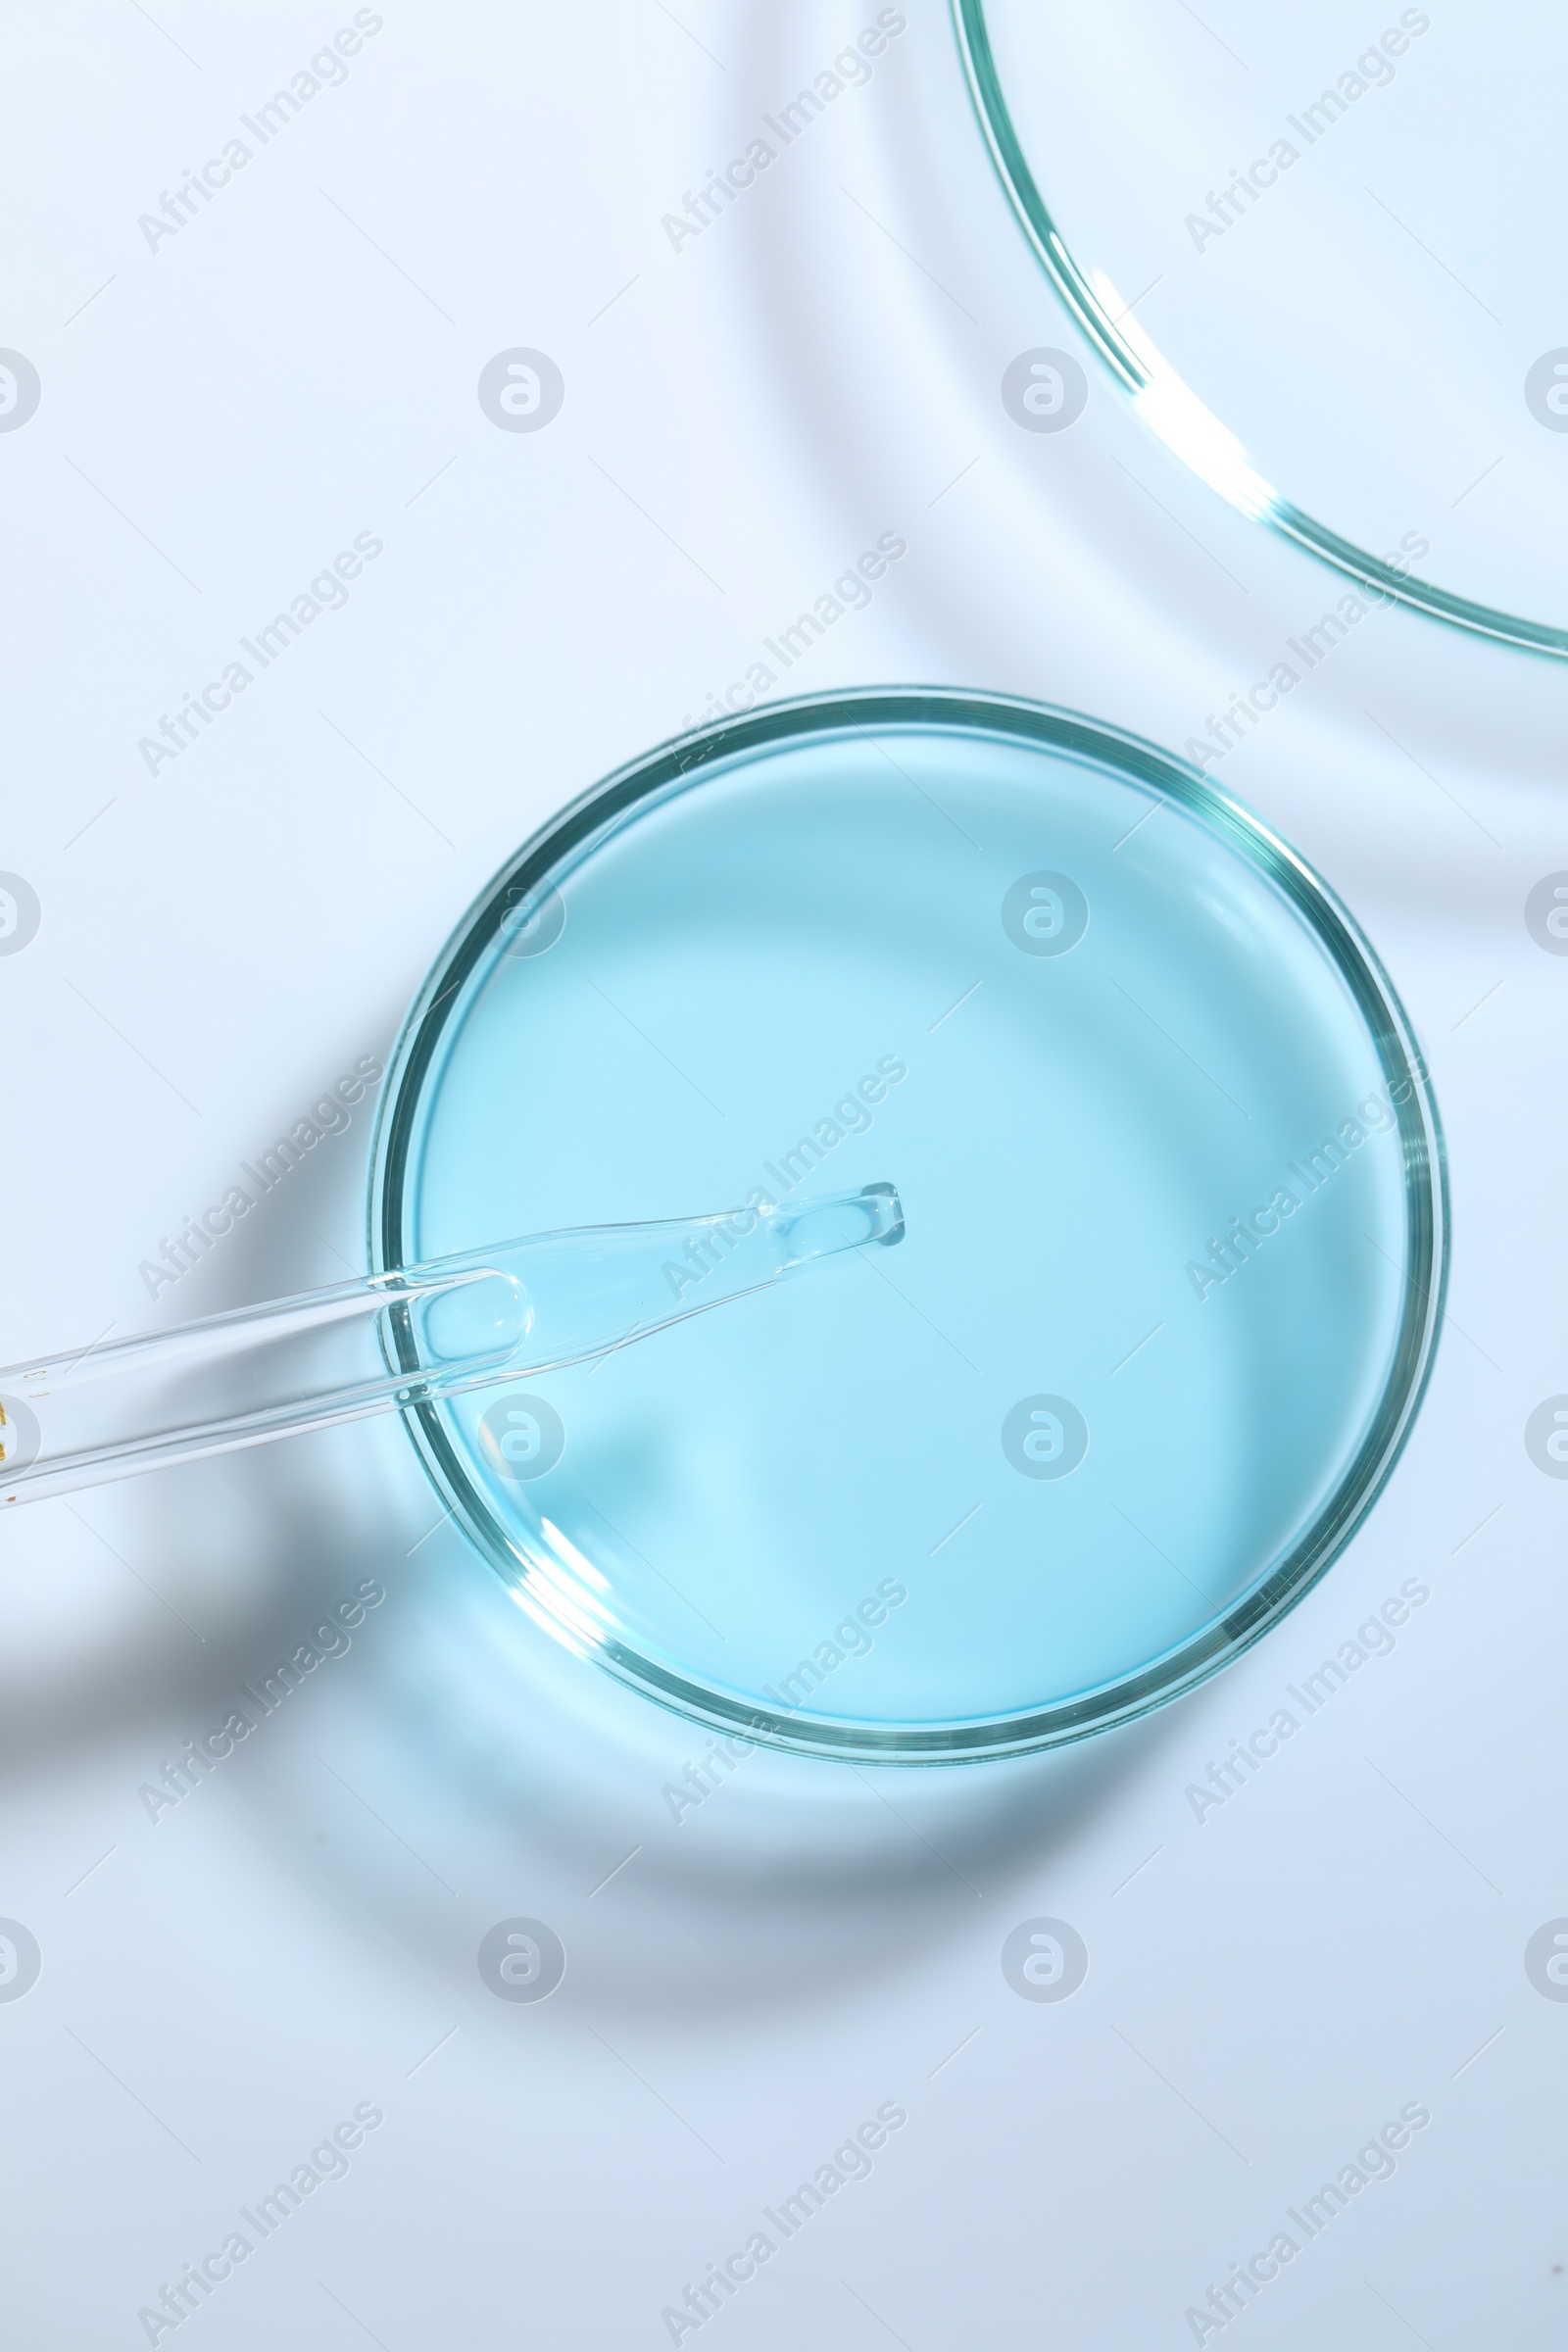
(1173, 1180)
(1324, 262)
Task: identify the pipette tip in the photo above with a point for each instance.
(890, 1218)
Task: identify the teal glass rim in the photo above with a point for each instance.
(678, 766)
(1172, 408)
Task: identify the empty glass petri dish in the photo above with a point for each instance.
(1172, 1178)
(1323, 258)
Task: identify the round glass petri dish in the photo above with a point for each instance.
(1260, 228)
(1173, 1182)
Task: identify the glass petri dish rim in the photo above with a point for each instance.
(677, 766)
(1169, 405)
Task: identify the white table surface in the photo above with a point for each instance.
(221, 412)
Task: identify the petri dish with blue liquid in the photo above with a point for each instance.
(1171, 1272)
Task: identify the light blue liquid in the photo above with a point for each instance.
(1068, 1132)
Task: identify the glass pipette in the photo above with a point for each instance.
(401, 1339)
